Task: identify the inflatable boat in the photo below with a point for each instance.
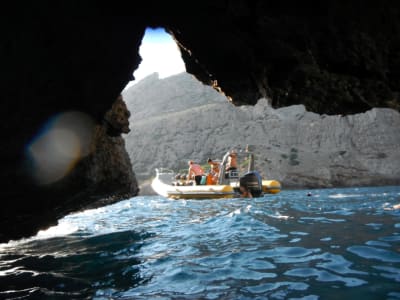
(230, 185)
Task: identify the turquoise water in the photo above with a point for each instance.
(337, 243)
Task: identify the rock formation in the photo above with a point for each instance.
(299, 148)
(73, 164)
(332, 56)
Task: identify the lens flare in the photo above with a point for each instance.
(61, 142)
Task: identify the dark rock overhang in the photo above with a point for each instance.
(332, 56)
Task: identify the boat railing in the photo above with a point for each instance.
(234, 174)
(165, 175)
(245, 164)
(164, 171)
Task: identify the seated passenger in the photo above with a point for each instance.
(183, 179)
(177, 179)
(214, 171)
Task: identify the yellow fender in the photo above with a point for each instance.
(271, 186)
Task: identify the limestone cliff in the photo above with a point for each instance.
(297, 147)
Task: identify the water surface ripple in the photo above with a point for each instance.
(337, 243)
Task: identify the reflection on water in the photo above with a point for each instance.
(336, 243)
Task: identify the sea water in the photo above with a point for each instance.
(332, 244)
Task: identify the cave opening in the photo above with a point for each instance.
(160, 54)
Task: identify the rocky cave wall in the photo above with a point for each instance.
(332, 56)
(335, 57)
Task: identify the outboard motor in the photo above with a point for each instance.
(252, 181)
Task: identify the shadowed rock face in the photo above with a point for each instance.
(333, 57)
(74, 163)
(117, 118)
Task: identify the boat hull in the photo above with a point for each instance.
(199, 192)
(193, 191)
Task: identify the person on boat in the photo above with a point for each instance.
(195, 172)
(214, 171)
(231, 165)
(177, 179)
(183, 179)
(245, 192)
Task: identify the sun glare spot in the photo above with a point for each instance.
(61, 142)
